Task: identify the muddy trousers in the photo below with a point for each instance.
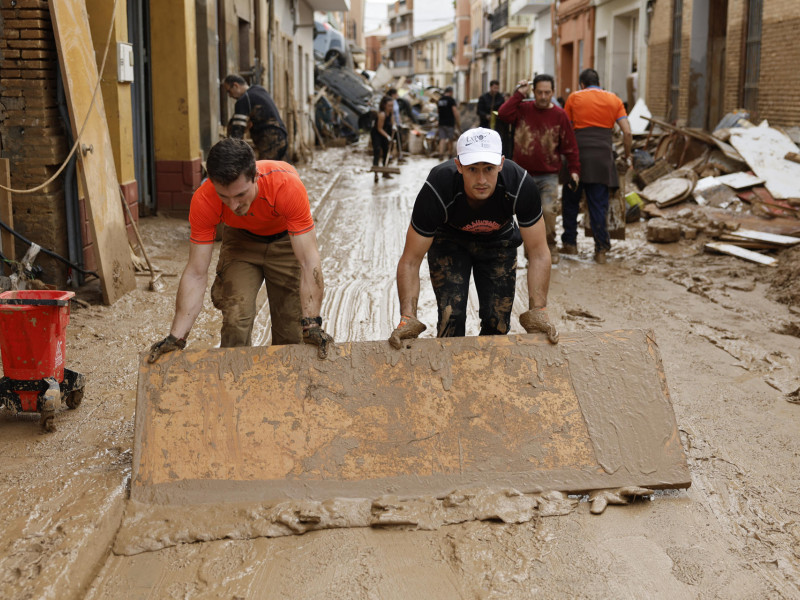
(548, 192)
(451, 262)
(597, 201)
(271, 143)
(245, 262)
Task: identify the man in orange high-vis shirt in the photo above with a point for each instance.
(268, 237)
(593, 113)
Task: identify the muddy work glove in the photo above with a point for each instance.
(624, 495)
(168, 344)
(314, 334)
(409, 328)
(536, 321)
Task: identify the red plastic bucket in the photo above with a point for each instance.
(33, 328)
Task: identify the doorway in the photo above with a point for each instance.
(717, 25)
(142, 106)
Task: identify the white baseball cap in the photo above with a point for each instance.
(479, 145)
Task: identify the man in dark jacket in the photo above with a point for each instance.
(255, 109)
(488, 104)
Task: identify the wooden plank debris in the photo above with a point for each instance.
(96, 157)
(793, 156)
(667, 191)
(764, 149)
(742, 253)
(740, 180)
(762, 236)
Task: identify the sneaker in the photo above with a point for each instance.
(569, 249)
(600, 257)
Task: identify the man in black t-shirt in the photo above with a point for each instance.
(255, 109)
(448, 120)
(463, 219)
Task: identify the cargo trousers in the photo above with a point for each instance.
(245, 262)
(551, 206)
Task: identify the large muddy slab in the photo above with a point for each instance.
(273, 424)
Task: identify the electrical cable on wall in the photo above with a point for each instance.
(85, 121)
(49, 253)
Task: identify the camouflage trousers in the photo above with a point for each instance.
(271, 143)
(452, 261)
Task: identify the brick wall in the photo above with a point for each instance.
(658, 59)
(32, 134)
(734, 49)
(176, 181)
(778, 100)
(779, 81)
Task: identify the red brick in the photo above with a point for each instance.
(192, 171)
(32, 44)
(169, 182)
(39, 54)
(28, 24)
(169, 166)
(24, 4)
(35, 34)
(38, 74)
(25, 13)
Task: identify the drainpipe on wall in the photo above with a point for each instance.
(270, 46)
(74, 238)
(555, 43)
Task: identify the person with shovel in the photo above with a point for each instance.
(381, 135)
(464, 219)
(268, 237)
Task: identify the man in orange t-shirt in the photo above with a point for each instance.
(593, 112)
(268, 237)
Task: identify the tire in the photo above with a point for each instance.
(340, 60)
(48, 422)
(73, 399)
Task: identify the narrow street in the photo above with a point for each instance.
(734, 534)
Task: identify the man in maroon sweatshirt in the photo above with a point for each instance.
(542, 134)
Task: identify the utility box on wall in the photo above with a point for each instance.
(124, 62)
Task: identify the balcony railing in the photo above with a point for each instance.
(398, 34)
(398, 39)
(504, 26)
(500, 17)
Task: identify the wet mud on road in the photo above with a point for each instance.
(729, 365)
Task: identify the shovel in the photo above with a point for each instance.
(156, 283)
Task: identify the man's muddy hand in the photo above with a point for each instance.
(624, 495)
(536, 321)
(168, 344)
(316, 336)
(409, 328)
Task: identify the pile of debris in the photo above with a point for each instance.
(739, 185)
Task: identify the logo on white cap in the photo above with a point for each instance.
(479, 145)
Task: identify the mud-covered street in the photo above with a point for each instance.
(730, 359)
